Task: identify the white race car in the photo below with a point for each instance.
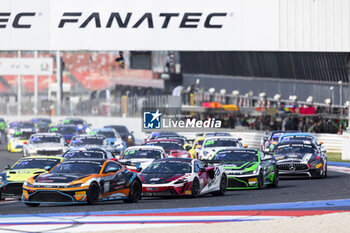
(45, 144)
(211, 145)
(142, 156)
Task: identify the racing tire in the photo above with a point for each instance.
(32, 204)
(223, 186)
(135, 192)
(275, 179)
(93, 194)
(325, 172)
(195, 189)
(0, 196)
(260, 180)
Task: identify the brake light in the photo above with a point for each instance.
(68, 141)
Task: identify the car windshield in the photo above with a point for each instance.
(26, 125)
(297, 138)
(23, 135)
(45, 139)
(237, 156)
(95, 154)
(295, 149)
(73, 121)
(35, 163)
(87, 141)
(42, 121)
(107, 134)
(142, 154)
(168, 167)
(217, 134)
(167, 145)
(83, 167)
(63, 130)
(221, 143)
(275, 137)
(121, 129)
(180, 139)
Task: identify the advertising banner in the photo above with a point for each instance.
(139, 25)
(26, 66)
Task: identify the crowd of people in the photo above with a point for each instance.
(312, 124)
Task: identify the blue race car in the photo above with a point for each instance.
(80, 125)
(67, 131)
(113, 139)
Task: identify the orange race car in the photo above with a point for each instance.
(83, 181)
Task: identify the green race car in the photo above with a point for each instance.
(247, 168)
(12, 179)
(3, 125)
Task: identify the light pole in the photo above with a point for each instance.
(332, 92)
(340, 92)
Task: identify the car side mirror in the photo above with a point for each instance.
(188, 147)
(202, 169)
(47, 168)
(267, 157)
(198, 146)
(245, 145)
(7, 167)
(112, 143)
(139, 169)
(131, 132)
(320, 143)
(112, 169)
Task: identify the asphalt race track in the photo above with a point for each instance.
(336, 186)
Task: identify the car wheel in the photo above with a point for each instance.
(223, 186)
(135, 192)
(325, 171)
(93, 194)
(32, 204)
(275, 179)
(195, 188)
(260, 180)
(0, 196)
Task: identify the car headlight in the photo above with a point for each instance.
(27, 184)
(75, 185)
(129, 137)
(119, 146)
(0, 180)
(251, 172)
(181, 181)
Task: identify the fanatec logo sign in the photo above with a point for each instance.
(120, 20)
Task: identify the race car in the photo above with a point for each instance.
(212, 144)
(11, 180)
(116, 143)
(45, 144)
(81, 126)
(83, 181)
(41, 124)
(269, 139)
(141, 156)
(67, 131)
(88, 153)
(247, 168)
(16, 126)
(127, 136)
(198, 142)
(298, 157)
(182, 177)
(2, 125)
(86, 141)
(172, 148)
(16, 141)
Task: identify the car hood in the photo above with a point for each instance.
(244, 166)
(48, 145)
(59, 177)
(21, 175)
(159, 178)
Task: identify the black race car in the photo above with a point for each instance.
(300, 158)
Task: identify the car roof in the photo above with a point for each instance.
(144, 147)
(47, 134)
(174, 159)
(221, 137)
(297, 134)
(85, 159)
(296, 142)
(42, 157)
(89, 136)
(163, 140)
